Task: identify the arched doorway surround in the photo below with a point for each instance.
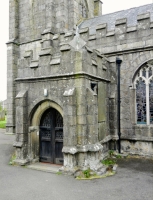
(50, 137)
(41, 108)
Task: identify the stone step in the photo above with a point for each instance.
(52, 168)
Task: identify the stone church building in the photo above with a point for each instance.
(62, 81)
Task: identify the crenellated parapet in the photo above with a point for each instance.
(55, 46)
(122, 36)
(51, 58)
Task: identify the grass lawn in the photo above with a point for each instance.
(3, 124)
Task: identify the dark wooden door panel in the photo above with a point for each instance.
(45, 155)
(58, 152)
(51, 137)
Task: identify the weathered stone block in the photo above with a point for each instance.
(102, 130)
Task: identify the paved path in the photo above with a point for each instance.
(133, 181)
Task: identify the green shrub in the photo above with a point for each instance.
(118, 156)
(111, 153)
(109, 162)
(86, 173)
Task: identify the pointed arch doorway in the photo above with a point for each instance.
(51, 137)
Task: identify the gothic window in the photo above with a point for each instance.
(144, 95)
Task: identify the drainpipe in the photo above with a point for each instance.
(118, 63)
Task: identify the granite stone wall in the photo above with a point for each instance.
(77, 69)
(78, 90)
(134, 46)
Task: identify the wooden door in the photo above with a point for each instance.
(51, 137)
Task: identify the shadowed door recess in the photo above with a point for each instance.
(51, 137)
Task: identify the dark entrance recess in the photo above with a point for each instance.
(51, 137)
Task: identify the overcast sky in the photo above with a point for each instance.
(108, 7)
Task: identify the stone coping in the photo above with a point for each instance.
(59, 76)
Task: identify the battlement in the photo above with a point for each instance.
(122, 34)
(122, 37)
(143, 22)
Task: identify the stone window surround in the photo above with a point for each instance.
(147, 81)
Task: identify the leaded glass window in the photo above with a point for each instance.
(144, 73)
(144, 94)
(151, 101)
(150, 72)
(141, 102)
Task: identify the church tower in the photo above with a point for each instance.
(29, 20)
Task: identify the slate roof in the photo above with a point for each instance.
(110, 19)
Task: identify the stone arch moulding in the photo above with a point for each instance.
(142, 84)
(136, 65)
(40, 108)
(140, 61)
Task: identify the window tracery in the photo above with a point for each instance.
(144, 94)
